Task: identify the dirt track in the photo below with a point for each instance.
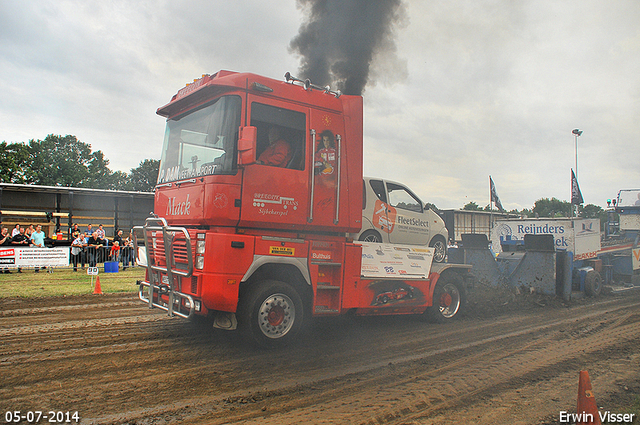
(115, 361)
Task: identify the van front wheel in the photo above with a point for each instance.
(370, 236)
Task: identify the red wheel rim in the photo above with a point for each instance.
(275, 315)
(445, 300)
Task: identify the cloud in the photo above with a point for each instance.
(471, 89)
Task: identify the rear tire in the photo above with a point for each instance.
(271, 314)
(593, 283)
(448, 298)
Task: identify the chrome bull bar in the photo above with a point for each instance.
(150, 232)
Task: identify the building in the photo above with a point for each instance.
(461, 222)
(58, 208)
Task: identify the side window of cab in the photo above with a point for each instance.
(280, 136)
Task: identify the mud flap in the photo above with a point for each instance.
(226, 321)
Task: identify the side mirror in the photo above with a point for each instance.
(247, 138)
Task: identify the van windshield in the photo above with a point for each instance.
(202, 142)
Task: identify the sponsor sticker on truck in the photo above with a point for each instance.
(399, 261)
(282, 250)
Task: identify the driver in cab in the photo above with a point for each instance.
(278, 153)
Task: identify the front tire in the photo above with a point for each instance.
(272, 314)
(448, 298)
(370, 236)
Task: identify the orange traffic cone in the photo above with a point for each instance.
(97, 290)
(587, 408)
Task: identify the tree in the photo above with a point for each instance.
(594, 211)
(66, 161)
(591, 211)
(120, 181)
(15, 164)
(430, 206)
(99, 176)
(60, 161)
(144, 178)
(472, 206)
(553, 207)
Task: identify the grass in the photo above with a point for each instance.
(632, 408)
(63, 282)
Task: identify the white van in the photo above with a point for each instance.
(391, 213)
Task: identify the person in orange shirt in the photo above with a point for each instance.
(278, 153)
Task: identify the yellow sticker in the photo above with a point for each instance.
(281, 250)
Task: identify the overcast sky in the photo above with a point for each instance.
(475, 88)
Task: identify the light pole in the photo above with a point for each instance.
(576, 133)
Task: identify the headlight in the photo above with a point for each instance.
(200, 248)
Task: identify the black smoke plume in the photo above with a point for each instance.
(340, 38)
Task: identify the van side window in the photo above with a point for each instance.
(378, 189)
(400, 197)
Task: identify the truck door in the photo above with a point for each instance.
(411, 225)
(275, 188)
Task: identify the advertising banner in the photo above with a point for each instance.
(34, 257)
(580, 236)
(636, 258)
(395, 261)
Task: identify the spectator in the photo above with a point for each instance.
(74, 232)
(16, 230)
(94, 246)
(89, 230)
(77, 251)
(20, 240)
(5, 239)
(29, 231)
(114, 255)
(37, 237)
(100, 232)
(127, 251)
(118, 238)
(104, 242)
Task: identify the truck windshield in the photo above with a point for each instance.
(201, 143)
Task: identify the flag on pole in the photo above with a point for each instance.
(576, 195)
(494, 195)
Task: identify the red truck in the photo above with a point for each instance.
(259, 193)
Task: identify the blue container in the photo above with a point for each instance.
(111, 267)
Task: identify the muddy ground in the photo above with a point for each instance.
(509, 360)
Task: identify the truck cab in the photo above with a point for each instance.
(259, 191)
(392, 213)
